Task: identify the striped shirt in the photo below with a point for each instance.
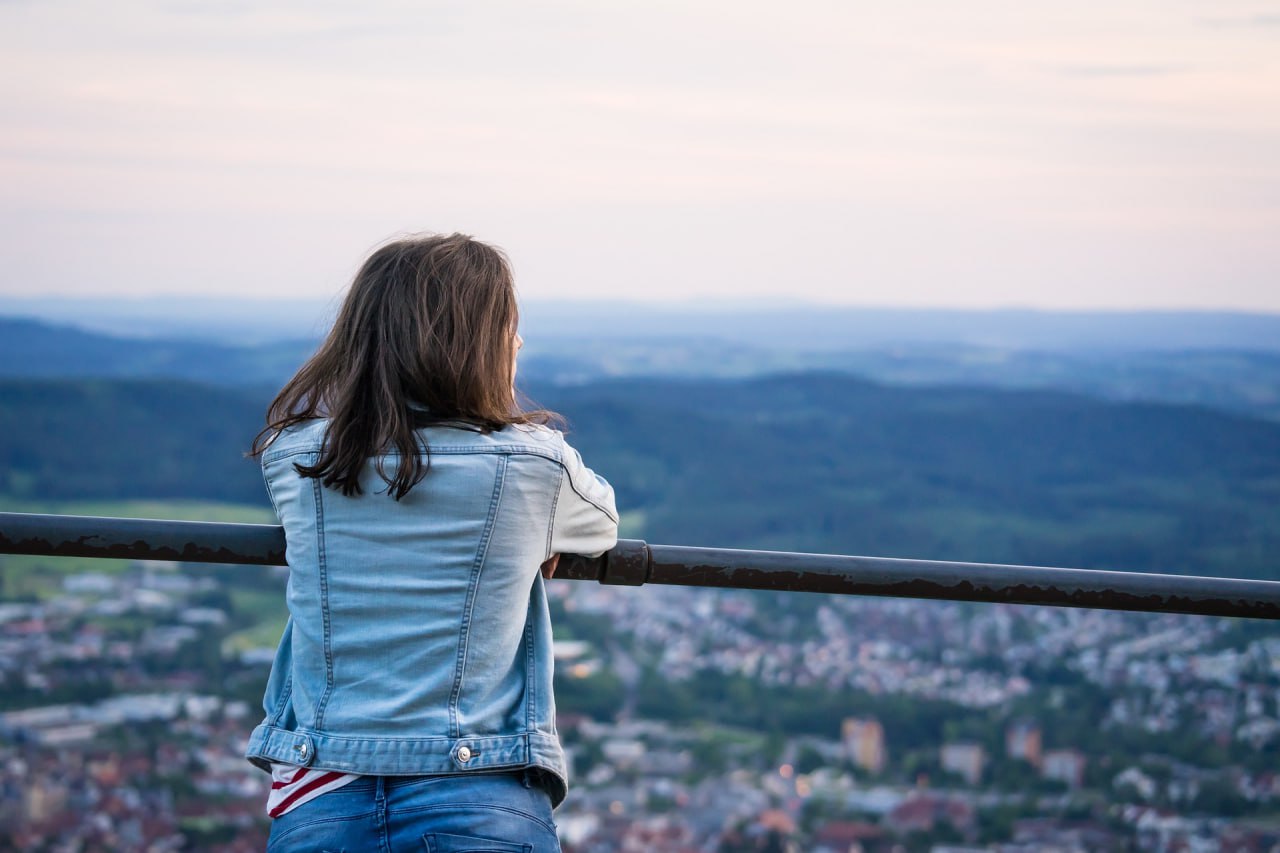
(291, 786)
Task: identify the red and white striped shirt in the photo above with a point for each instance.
(291, 786)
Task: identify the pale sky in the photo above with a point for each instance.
(968, 153)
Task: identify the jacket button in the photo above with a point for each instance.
(464, 754)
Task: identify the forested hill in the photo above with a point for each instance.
(31, 348)
(820, 462)
(104, 438)
(1230, 377)
(838, 464)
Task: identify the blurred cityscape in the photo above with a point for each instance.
(987, 282)
(700, 720)
(695, 720)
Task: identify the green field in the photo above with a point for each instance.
(180, 510)
(25, 577)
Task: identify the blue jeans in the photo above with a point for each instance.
(467, 813)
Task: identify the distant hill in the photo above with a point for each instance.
(788, 326)
(1239, 380)
(70, 439)
(784, 325)
(849, 466)
(818, 462)
(192, 318)
(31, 348)
(1244, 381)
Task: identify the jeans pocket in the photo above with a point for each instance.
(439, 842)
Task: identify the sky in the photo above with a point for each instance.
(977, 154)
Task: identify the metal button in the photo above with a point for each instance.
(302, 748)
(464, 754)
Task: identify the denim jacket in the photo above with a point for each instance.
(419, 639)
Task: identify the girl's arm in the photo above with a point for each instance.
(586, 520)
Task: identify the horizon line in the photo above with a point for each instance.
(695, 305)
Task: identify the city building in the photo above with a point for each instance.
(864, 743)
(966, 760)
(1064, 765)
(1022, 740)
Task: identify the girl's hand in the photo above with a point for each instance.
(549, 567)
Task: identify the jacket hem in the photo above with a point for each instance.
(412, 756)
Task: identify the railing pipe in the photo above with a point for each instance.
(634, 562)
(141, 539)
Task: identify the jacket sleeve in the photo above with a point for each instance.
(585, 520)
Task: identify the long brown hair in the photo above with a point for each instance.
(425, 336)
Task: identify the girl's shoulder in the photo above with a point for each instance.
(543, 437)
(534, 438)
(513, 438)
(540, 433)
(298, 438)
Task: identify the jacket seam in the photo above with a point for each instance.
(479, 739)
(286, 693)
(451, 450)
(464, 631)
(271, 495)
(574, 486)
(551, 519)
(322, 564)
(499, 449)
(531, 683)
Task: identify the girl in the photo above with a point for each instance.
(410, 703)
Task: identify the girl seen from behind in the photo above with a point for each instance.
(410, 703)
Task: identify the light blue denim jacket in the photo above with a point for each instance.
(419, 639)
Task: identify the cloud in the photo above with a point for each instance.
(988, 149)
(1260, 21)
(1096, 69)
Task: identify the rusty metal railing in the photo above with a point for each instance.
(634, 562)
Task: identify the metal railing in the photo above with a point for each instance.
(634, 562)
